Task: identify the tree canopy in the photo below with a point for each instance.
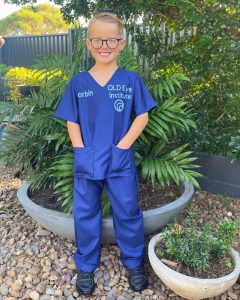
(72, 10)
(35, 19)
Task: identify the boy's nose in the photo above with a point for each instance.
(104, 44)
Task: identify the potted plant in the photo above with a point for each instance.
(26, 89)
(22, 82)
(185, 257)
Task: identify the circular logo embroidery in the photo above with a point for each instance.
(119, 105)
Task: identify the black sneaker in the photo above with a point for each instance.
(138, 279)
(85, 283)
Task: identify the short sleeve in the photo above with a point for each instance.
(67, 108)
(142, 99)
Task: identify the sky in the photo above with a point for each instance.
(7, 9)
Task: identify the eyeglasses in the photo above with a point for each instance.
(112, 43)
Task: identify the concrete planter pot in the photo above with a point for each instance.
(62, 224)
(221, 176)
(190, 287)
(2, 88)
(25, 89)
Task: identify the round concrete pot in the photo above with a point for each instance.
(62, 224)
(190, 287)
(25, 89)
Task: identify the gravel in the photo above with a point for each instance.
(36, 264)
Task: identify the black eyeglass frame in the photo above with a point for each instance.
(118, 39)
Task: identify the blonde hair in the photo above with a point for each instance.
(108, 17)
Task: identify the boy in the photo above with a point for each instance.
(97, 105)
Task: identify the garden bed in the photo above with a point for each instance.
(149, 197)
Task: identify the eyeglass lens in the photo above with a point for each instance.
(111, 43)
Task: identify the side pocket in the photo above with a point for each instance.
(83, 160)
(121, 160)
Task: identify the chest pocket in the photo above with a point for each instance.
(121, 162)
(83, 160)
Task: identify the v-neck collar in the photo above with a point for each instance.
(109, 80)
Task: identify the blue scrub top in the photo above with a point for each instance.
(104, 116)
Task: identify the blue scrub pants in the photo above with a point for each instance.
(122, 192)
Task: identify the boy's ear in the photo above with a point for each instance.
(88, 43)
(123, 44)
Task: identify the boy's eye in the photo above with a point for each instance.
(112, 43)
(97, 41)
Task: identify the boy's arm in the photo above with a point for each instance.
(139, 123)
(75, 135)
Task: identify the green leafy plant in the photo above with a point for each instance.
(194, 246)
(235, 147)
(229, 265)
(16, 76)
(21, 75)
(224, 237)
(41, 141)
(4, 69)
(206, 48)
(171, 116)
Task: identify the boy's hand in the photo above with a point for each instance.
(123, 145)
(75, 135)
(135, 130)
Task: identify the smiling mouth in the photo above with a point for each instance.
(104, 54)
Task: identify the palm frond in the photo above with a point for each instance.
(127, 60)
(168, 117)
(167, 85)
(165, 170)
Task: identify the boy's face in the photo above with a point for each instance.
(104, 30)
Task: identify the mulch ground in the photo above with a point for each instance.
(149, 197)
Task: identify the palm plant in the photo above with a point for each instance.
(171, 116)
(41, 141)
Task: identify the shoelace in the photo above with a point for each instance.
(83, 275)
(138, 276)
(137, 271)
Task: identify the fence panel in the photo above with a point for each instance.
(23, 50)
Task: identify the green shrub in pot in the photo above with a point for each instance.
(193, 246)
